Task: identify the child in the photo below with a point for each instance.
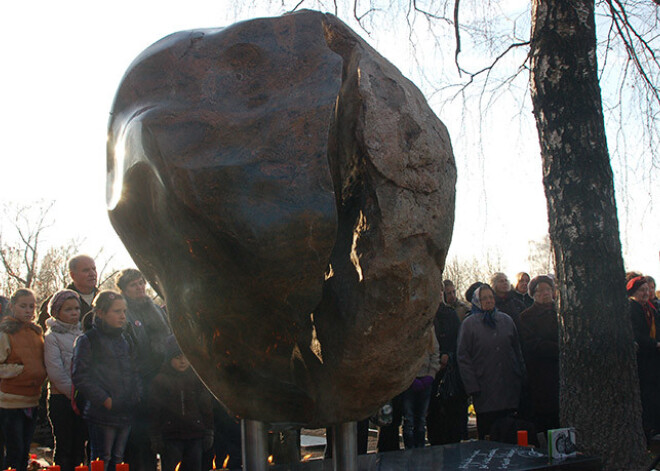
(104, 373)
(69, 429)
(181, 411)
(23, 373)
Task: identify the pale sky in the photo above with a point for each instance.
(63, 61)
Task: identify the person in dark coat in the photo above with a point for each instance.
(520, 288)
(148, 329)
(540, 342)
(447, 415)
(644, 320)
(181, 413)
(451, 300)
(105, 373)
(505, 301)
(490, 360)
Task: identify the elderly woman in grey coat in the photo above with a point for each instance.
(490, 360)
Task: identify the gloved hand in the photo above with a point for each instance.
(427, 381)
(157, 444)
(207, 442)
(417, 385)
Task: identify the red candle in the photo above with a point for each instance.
(121, 467)
(55, 467)
(82, 467)
(522, 438)
(97, 465)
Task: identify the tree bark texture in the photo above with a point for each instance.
(599, 385)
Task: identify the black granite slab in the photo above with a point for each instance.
(476, 455)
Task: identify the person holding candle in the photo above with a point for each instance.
(181, 411)
(22, 374)
(63, 327)
(105, 372)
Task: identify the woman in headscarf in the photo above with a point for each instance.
(644, 320)
(490, 360)
(540, 342)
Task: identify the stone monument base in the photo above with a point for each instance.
(475, 455)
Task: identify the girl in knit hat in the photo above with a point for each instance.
(23, 373)
(63, 327)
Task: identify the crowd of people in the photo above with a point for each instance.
(120, 389)
(500, 352)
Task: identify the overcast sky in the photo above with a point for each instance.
(63, 61)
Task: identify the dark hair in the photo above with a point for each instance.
(127, 276)
(447, 283)
(650, 279)
(104, 300)
(470, 291)
(19, 293)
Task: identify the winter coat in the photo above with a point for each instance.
(540, 343)
(180, 406)
(103, 367)
(21, 363)
(490, 362)
(58, 354)
(446, 324)
(431, 363)
(524, 298)
(147, 326)
(509, 304)
(461, 308)
(648, 356)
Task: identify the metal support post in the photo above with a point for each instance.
(254, 445)
(344, 447)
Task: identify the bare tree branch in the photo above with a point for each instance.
(628, 35)
(491, 66)
(457, 34)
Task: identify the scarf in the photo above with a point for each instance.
(488, 319)
(649, 313)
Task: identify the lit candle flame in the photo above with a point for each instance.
(270, 459)
(177, 466)
(214, 462)
(225, 462)
(306, 457)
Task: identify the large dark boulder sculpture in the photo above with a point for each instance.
(291, 195)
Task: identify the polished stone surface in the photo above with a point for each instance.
(291, 195)
(475, 455)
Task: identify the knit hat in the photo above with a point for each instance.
(634, 284)
(172, 348)
(56, 302)
(540, 279)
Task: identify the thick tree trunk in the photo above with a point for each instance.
(599, 385)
